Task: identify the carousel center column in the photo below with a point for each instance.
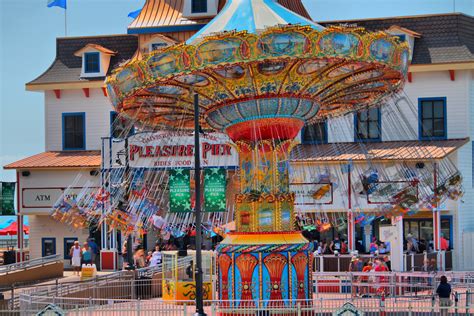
(265, 259)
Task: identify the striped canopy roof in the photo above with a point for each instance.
(252, 16)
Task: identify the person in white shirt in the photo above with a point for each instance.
(76, 254)
(155, 257)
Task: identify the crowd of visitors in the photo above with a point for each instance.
(413, 245)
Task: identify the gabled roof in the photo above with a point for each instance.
(380, 151)
(166, 16)
(66, 67)
(396, 28)
(100, 48)
(59, 159)
(445, 38)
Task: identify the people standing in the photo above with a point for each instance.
(124, 254)
(355, 266)
(412, 244)
(367, 268)
(444, 244)
(86, 254)
(155, 257)
(76, 254)
(94, 250)
(444, 293)
(335, 245)
(139, 258)
(373, 246)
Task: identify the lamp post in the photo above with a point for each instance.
(197, 209)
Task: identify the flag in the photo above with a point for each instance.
(133, 14)
(57, 3)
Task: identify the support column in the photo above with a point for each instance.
(350, 216)
(437, 221)
(351, 242)
(20, 232)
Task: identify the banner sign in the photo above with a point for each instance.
(214, 190)
(168, 150)
(393, 192)
(47, 197)
(312, 193)
(7, 198)
(180, 192)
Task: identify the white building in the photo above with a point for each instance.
(78, 114)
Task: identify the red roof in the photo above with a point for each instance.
(59, 159)
(390, 150)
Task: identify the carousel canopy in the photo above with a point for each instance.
(261, 71)
(252, 16)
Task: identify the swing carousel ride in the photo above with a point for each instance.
(260, 77)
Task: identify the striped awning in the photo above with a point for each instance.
(377, 151)
(252, 16)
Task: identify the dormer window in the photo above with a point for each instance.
(157, 46)
(401, 37)
(198, 6)
(157, 42)
(196, 9)
(92, 62)
(404, 35)
(95, 60)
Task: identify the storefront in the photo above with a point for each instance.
(157, 168)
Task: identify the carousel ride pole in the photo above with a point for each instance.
(197, 210)
(130, 260)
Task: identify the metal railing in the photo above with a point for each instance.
(9, 268)
(321, 306)
(117, 285)
(412, 261)
(122, 292)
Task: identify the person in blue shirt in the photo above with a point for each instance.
(94, 249)
(444, 293)
(86, 254)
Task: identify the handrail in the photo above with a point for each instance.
(5, 269)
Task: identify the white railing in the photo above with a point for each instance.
(122, 292)
(412, 261)
(370, 306)
(116, 285)
(9, 268)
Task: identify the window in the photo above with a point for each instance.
(119, 125)
(368, 125)
(199, 6)
(316, 133)
(156, 46)
(68, 243)
(74, 131)
(432, 118)
(401, 37)
(91, 62)
(423, 229)
(48, 246)
(447, 229)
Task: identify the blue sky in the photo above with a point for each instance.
(28, 30)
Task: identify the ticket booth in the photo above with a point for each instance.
(179, 282)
